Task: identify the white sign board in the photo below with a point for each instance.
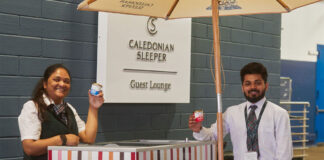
(144, 60)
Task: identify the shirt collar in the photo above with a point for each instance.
(259, 103)
(48, 101)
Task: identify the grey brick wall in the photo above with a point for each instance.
(37, 33)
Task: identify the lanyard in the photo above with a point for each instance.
(260, 115)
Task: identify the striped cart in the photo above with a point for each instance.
(137, 150)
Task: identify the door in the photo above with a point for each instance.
(319, 123)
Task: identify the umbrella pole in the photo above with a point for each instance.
(217, 80)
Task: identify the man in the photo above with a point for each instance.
(259, 129)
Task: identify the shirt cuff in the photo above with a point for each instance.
(82, 129)
(199, 135)
(29, 137)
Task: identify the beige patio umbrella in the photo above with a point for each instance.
(171, 9)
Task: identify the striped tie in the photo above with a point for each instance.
(60, 112)
(252, 131)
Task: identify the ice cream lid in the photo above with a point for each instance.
(97, 84)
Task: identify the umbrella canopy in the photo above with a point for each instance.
(171, 9)
(191, 8)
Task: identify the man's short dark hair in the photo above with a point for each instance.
(254, 68)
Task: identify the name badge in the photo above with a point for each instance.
(251, 156)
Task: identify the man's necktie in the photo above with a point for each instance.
(252, 131)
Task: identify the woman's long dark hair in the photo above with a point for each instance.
(39, 89)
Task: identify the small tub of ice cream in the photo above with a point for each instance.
(95, 89)
(199, 115)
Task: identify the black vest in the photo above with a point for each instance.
(53, 126)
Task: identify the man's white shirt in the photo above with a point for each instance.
(274, 131)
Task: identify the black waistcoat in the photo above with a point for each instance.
(53, 126)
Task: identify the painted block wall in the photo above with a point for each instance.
(37, 33)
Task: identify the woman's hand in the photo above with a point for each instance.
(96, 101)
(72, 139)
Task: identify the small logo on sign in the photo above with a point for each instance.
(151, 28)
(226, 5)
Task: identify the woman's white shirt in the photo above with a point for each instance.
(30, 125)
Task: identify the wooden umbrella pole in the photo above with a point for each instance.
(217, 80)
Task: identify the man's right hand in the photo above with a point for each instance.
(72, 139)
(193, 125)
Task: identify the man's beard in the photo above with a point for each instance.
(256, 98)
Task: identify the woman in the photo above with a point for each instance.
(47, 120)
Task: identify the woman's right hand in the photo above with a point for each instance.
(193, 125)
(72, 139)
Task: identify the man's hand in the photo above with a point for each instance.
(193, 125)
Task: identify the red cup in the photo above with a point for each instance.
(199, 115)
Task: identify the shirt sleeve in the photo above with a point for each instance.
(284, 150)
(206, 134)
(29, 123)
(79, 121)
